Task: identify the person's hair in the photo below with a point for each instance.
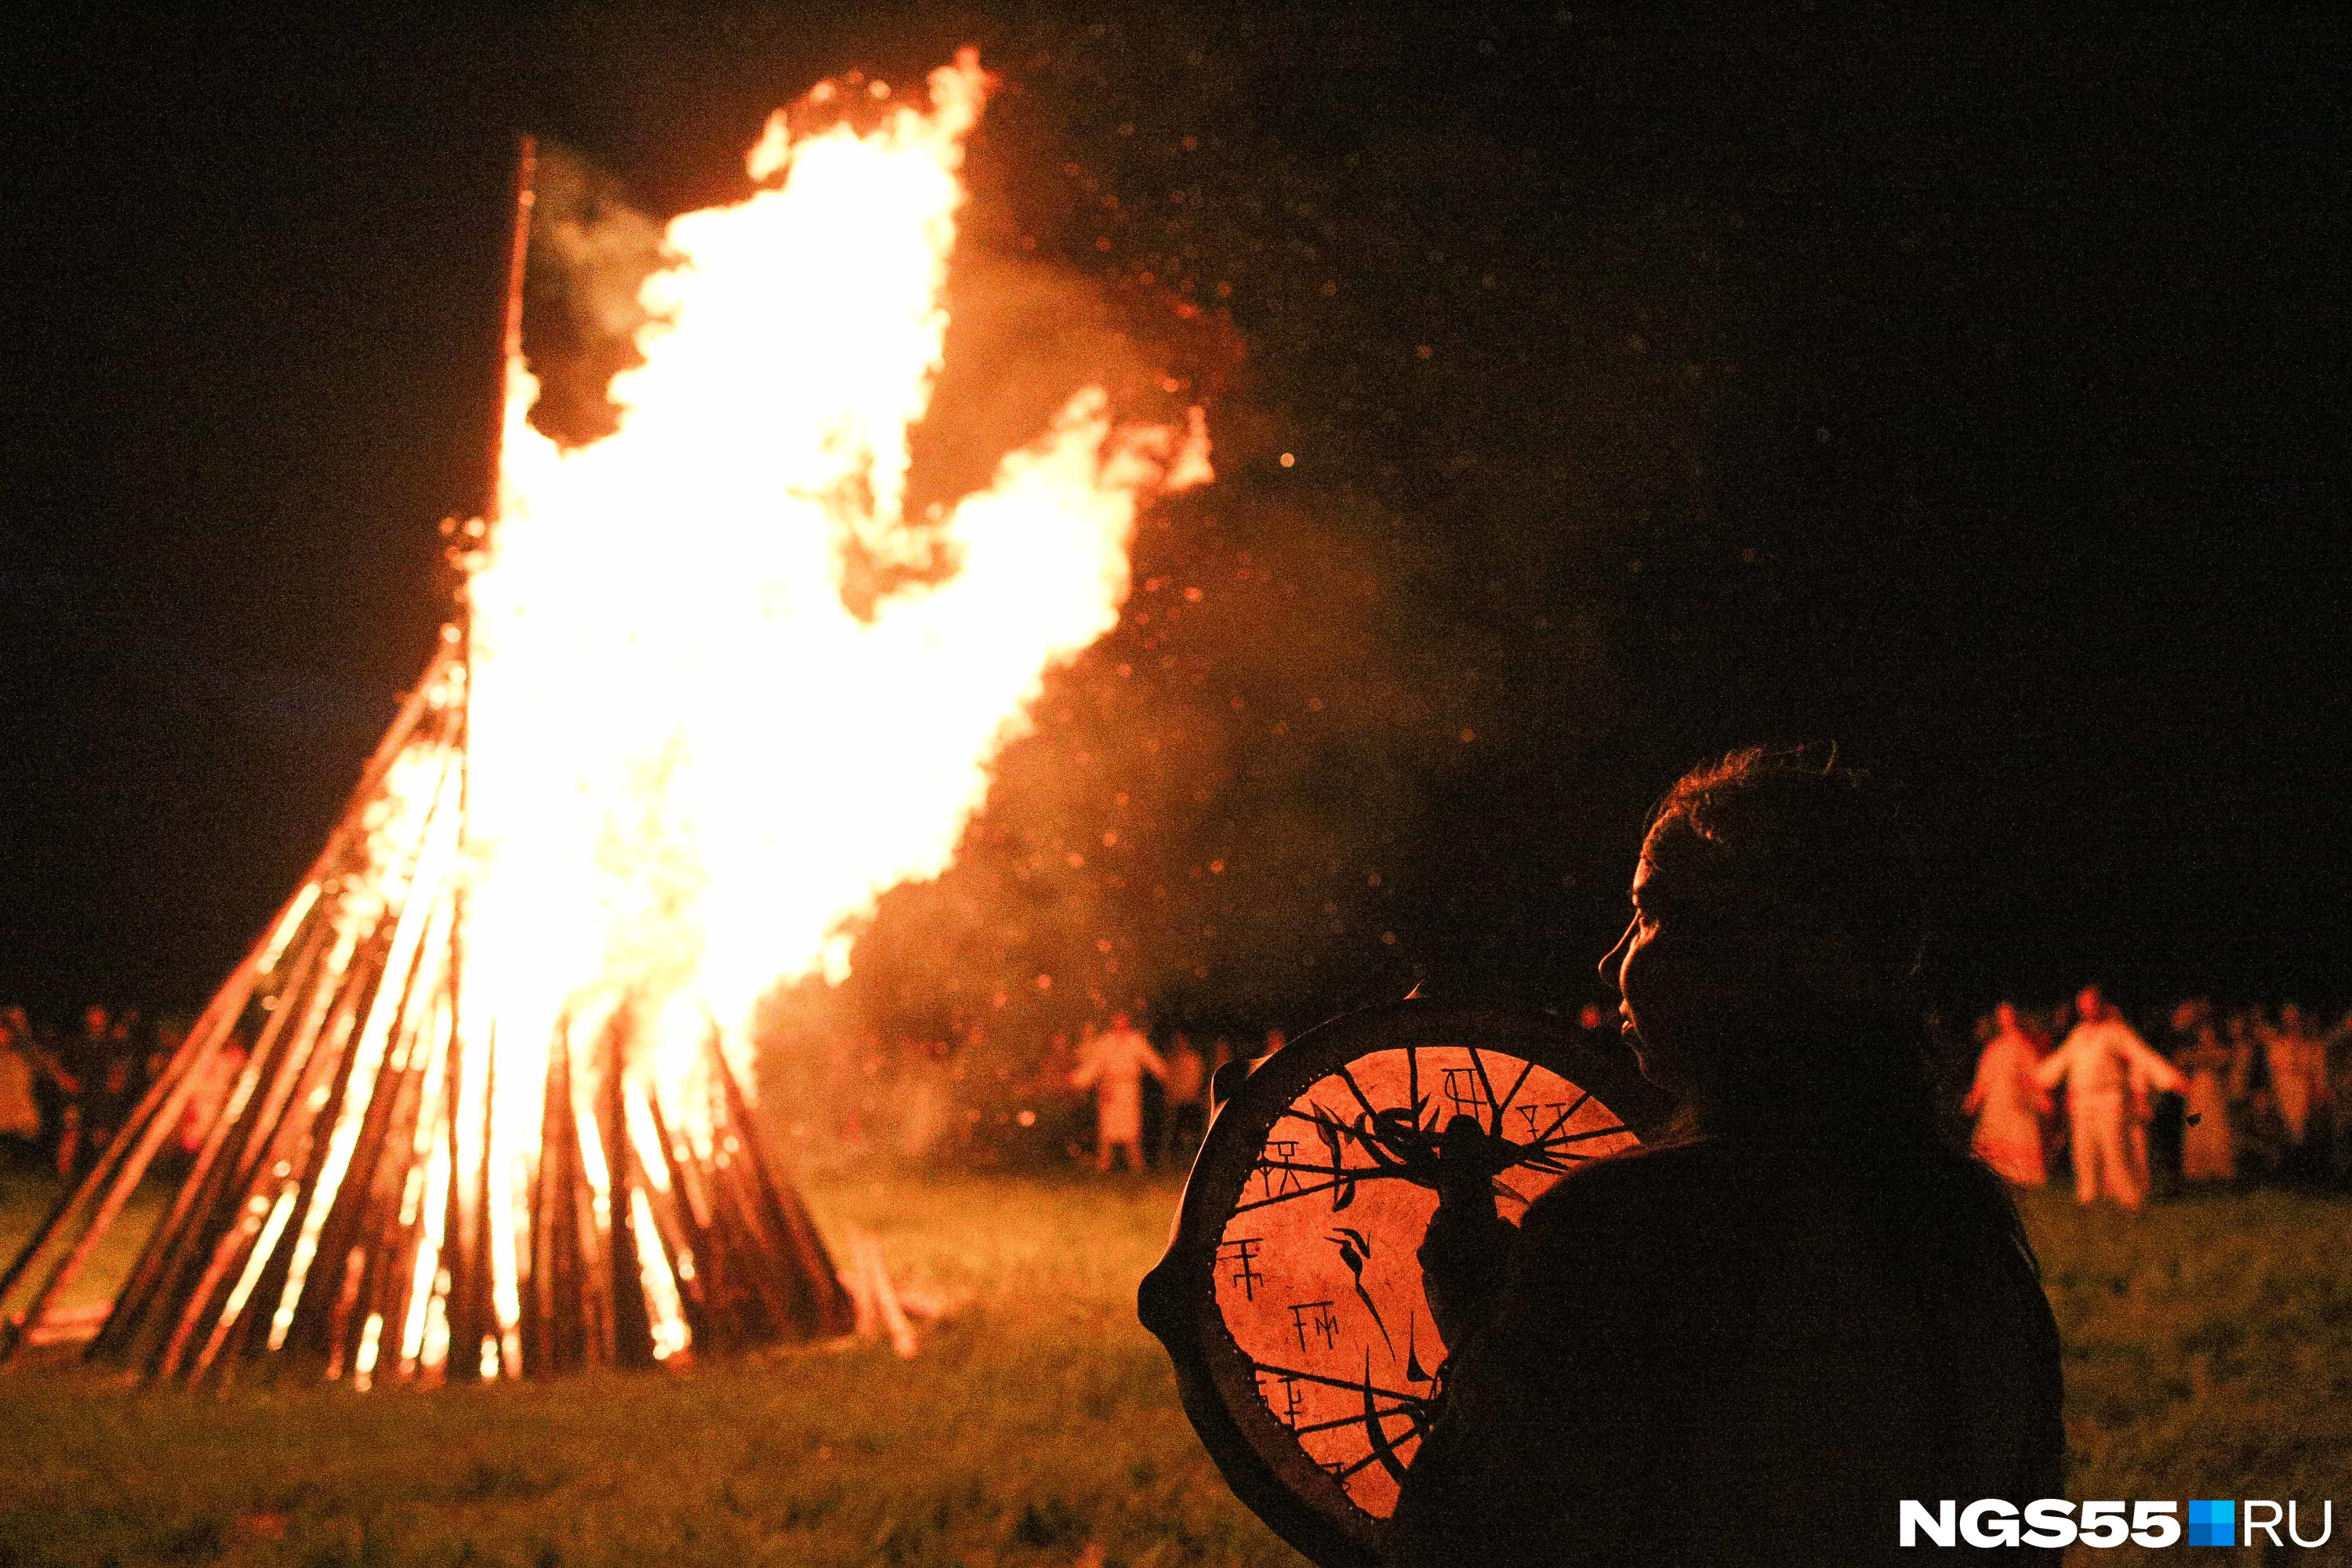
(1796, 842)
(1799, 877)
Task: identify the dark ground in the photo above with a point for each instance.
(2205, 1354)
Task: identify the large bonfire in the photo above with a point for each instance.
(487, 1109)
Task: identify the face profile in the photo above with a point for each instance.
(1772, 901)
(1654, 987)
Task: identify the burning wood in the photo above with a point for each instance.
(492, 1118)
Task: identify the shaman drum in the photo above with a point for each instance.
(1291, 1298)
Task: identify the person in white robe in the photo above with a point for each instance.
(2297, 1060)
(1113, 1066)
(20, 1113)
(2007, 1104)
(2109, 1073)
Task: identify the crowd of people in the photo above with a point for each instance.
(65, 1093)
(2251, 1095)
(2257, 1094)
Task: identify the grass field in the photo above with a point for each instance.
(2210, 1355)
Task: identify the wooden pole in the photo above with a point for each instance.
(466, 1241)
(207, 1205)
(510, 337)
(825, 1307)
(305, 1303)
(188, 1226)
(681, 1235)
(399, 1243)
(213, 1027)
(263, 1179)
(633, 1329)
(125, 1161)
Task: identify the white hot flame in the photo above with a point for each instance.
(693, 768)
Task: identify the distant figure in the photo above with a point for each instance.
(2298, 1065)
(2207, 1151)
(2108, 1071)
(1743, 1344)
(1113, 1064)
(1187, 1084)
(924, 1094)
(2337, 1053)
(77, 1075)
(108, 1101)
(20, 1113)
(215, 1080)
(2007, 1104)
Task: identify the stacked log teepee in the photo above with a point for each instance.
(355, 1206)
(366, 1203)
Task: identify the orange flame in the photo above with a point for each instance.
(692, 768)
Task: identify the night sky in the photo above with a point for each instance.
(1967, 392)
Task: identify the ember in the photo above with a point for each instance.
(492, 1113)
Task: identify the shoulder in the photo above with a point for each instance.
(1642, 1200)
(1780, 1210)
(1662, 1167)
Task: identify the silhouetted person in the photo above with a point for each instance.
(78, 1073)
(1188, 1098)
(2337, 1054)
(1747, 1343)
(112, 1090)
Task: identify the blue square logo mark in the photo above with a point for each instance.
(2213, 1523)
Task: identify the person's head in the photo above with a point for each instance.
(93, 1022)
(2005, 1016)
(1118, 1020)
(1772, 958)
(2089, 1006)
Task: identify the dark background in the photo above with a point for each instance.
(1964, 390)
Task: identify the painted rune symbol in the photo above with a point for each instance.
(1244, 1253)
(1463, 1088)
(1279, 1158)
(1355, 1249)
(1315, 1317)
